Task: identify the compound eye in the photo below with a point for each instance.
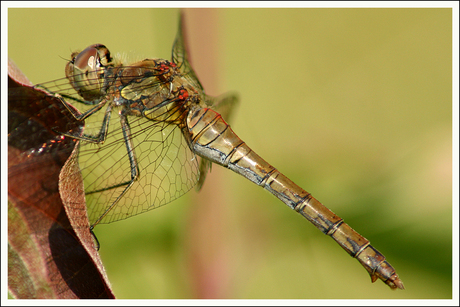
(86, 70)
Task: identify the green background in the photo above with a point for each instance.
(354, 105)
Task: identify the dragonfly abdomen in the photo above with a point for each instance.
(212, 138)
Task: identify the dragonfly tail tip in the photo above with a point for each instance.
(399, 284)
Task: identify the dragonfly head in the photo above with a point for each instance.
(86, 70)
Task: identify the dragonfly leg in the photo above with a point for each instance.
(101, 136)
(133, 166)
(129, 146)
(83, 116)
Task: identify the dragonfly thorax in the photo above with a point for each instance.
(154, 88)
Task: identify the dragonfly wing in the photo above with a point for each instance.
(224, 104)
(181, 58)
(167, 169)
(205, 168)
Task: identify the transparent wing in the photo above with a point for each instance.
(167, 169)
(181, 57)
(225, 104)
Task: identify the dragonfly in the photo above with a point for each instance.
(151, 134)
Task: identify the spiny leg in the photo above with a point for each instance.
(133, 166)
(102, 134)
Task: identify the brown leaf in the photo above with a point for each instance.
(51, 253)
